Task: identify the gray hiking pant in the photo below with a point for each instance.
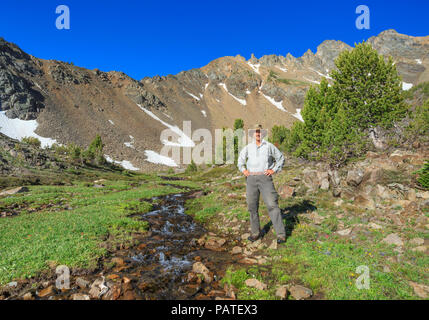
(255, 185)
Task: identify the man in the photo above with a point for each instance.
(256, 163)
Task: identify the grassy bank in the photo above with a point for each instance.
(70, 224)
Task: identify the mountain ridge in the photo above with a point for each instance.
(73, 104)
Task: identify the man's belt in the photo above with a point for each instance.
(256, 173)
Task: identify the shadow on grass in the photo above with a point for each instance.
(290, 216)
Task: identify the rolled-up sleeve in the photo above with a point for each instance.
(278, 157)
(241, 162)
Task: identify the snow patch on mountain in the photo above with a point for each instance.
(406, 86)
(255, 67)
(278, 105)
(18, 129)
(124, 163)
(154, 157)
(298, 115)
(193, 96)
(183, 139)
(242, 101)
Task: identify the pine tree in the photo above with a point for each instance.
(369, 87)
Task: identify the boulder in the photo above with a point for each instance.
(299, 292)
(255, 283)
(200, 268)
(354, 177)
(282, 292)
(14, 191)
(393, 238)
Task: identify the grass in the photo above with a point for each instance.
(29, 242)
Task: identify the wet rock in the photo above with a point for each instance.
(282, 292)
(80, 296)
(393, 238)
(299, 292)
(248, 260)
(255, 283)
(214, 243)
(82, 283)
(46, 292)
(200, 268)
(98, 288)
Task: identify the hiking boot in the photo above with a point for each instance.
(254, 238)
(281, 240)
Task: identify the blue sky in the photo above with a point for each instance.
(147, 37)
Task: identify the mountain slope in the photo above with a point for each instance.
(73, 104)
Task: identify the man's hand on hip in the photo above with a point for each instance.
(246, 173)
(269, 172)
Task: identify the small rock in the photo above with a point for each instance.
(273, 245)
(299, 292)
(14, 191)
(393, 238)
(46, 292)
(248, 260)
(80, 296)
(282, 292)
(286, 191)
(255, 283)
(420, 290)
(28, 296)
(244, 236)
(200, 268)
(12, 284)
(118, 261)
(82, 283)
(354, 177)
(373, 225)
(417, 241)
(236, 250)
(324, 185)
(98, 288)
(344, 232)
(230, 291)
(420, 249)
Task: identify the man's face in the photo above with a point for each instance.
(257, 135)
